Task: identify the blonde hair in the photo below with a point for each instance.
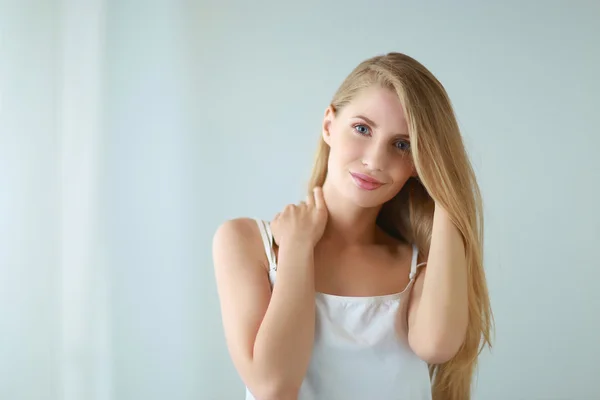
(446, 177)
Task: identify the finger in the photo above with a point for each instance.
(310, 199)
(319, 199)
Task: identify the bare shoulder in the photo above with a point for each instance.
(240, 236)
(237, 228)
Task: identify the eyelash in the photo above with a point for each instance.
(369, 129)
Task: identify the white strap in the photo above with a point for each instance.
(267, 238)
(413, 265)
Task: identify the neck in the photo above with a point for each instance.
(348, 224)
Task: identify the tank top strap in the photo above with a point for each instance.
(414, 267)
(267, 238)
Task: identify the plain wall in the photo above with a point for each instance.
(29, 201)
(211, 111)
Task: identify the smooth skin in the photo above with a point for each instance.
(331, 244)
(270, 335)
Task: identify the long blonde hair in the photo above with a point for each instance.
(446, 177)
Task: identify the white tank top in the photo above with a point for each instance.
(361, 346)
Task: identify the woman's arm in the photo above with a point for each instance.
(438, 310)
(269, 335)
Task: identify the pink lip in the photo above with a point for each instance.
(365, 181)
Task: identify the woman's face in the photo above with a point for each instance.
(370, 155)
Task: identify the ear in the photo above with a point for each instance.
(327, 122)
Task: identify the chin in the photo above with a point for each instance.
(366, 198)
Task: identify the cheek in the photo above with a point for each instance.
(402, 171)
(348, 146)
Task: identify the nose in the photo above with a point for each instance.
(376, 156)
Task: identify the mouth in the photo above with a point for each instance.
(365, 182)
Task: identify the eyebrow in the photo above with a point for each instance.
(374, 125)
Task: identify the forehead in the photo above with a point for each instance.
(380, 105)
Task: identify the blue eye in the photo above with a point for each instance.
(361, 129)
(404, 146)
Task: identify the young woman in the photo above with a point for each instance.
(374, 287)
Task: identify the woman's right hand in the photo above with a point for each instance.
(301, 223)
